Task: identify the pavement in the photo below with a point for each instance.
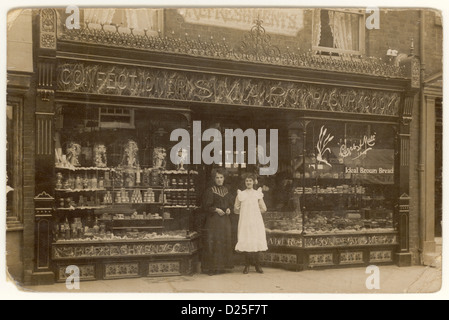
(393, 280)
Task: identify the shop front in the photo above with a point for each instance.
(110, 201)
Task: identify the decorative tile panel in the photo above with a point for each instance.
(351, 257)
(323, 259)
(87, 272)
(279, 258)
(381, 256)
(165, 268)
(121, 270)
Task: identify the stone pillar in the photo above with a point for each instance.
(402, 172)
(428, 188)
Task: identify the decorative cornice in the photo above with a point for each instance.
(256, 47)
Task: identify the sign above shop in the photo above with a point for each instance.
(276, 21)
(154, 83)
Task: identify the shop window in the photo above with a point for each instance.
(138, 20)
(338, 31)
(116, 118)
(339, 180)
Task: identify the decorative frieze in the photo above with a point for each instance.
(70, 251)
(48, 29)
(146, 82)
(416, 73)
(164, 268)
(351, 257)
(323, 259)
(347, 241)
(279, 258)
(121, 270)
(284, 241)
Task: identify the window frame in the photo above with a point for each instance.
(362, 34)
(160, 12)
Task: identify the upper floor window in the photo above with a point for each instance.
(338, 31)
(137, 19)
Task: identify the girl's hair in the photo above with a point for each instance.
(251, 176)
(220, 171)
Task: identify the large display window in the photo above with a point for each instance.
(341, 179)
(114, 178)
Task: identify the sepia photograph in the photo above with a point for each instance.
(224, 150)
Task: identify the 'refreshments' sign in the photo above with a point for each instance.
(155, 83)
(275, 21)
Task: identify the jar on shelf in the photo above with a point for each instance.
(86, 183)
(67, 185)
(59, 178)
(68, 202)
(78, 183)
(94, 183)
(101, 183)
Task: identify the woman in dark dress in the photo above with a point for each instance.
(218, 203)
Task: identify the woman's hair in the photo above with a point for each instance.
(220, 171)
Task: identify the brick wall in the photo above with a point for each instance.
(433, 43)
(397, 28)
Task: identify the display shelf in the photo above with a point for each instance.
(179, 190)
(180, 207)
(137, 228)
(114, 241)
(80, 190)
(174, 172)
(84, 168)
(136, 203)
(143, 188)
(81, 208)
(331, 194)
(146, 220)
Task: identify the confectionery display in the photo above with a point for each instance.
(135, 199)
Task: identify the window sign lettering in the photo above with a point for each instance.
(358, 150)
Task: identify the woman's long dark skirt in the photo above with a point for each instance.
(218, 245)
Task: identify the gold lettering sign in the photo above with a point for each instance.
(153, 83)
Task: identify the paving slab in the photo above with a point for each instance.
(393, 279)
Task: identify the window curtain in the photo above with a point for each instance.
(344, 30)
(316, 27)
(141, 19)
(98, 16)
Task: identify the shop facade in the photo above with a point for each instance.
(109, 200)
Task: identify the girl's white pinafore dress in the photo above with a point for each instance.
(251, 230)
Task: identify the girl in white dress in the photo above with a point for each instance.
(252, 237)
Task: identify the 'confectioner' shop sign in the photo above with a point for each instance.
(154, 83)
